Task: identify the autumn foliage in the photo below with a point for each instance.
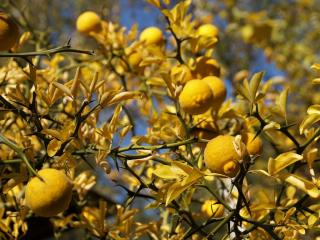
(146, 138)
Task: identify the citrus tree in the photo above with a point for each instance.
(143, 138)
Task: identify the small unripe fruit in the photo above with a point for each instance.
(88, 22)
(151, 35)
(134, 59)
(196, 97)
(9, 32)
(208, 30)
(49, 196)
(254, 145)
(211, 208)
(221, 157)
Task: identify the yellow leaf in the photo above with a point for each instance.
(76, 83)
(150, 60)
(279, 216)
(254, 84)
(312, 220)
(316, 81)
(169, 172)
(53, 146)
(282, 161)
(93, 82)
(124, 131)
(308, 121)
(12, 183)
(132, 33)
(244, 92)
(179, 11)
(271, 125)
(105, 98)
(63, 88)
(52, 132)
(155, 3)
(156, 81)
(174, 192)
(314, 109)
(282, 102)
(123, 96)
(315, 66)
(289, 213)
(302, 184)
(115, 118)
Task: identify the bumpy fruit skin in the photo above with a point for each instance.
(9, 32)
(254, 145)
(151, 35)
(211, 208)
(205, 66)
(208, 30)
(219, 90)
(88, 22)
(221, 157)
(196, 97)
(51, 196)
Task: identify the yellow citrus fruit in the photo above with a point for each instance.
(151, 35)
(254, 145)
(134, 59)
(88, 22)
(208, 30)
(181, 74)
(9, 32)
(205, 66)
(50, 196)
(211, 208)
(221, 157)
(196, 97)
(219, 90)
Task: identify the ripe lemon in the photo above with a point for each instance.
(151, 35)
(208, 30)
(51, 196)
(254, 145)
(221, 157)
(211, 208)
(219, 90)
(181, 74)
(205, 66)
(9, 32)
(88, 22)
(196, 97)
